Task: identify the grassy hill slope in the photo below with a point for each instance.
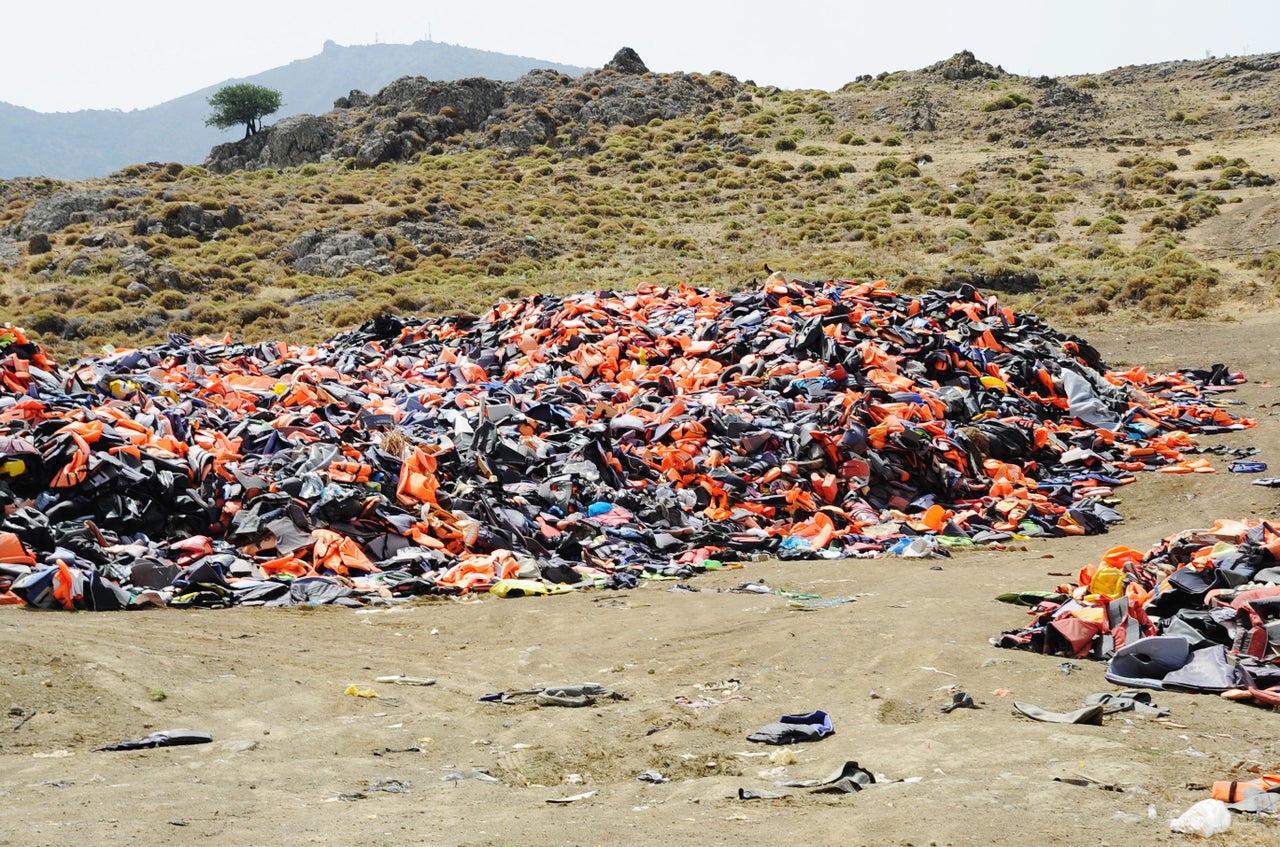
(1143, 191)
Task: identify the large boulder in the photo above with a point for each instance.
(56, 212)
(332, 253)
(468, 101)
(292, 141)
(243, 155)
(298, 139)
(626, 61)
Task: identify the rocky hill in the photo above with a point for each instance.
(417, 115)
(1143, 191)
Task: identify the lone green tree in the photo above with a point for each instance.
(243, 103)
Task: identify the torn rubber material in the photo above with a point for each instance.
(164, 738)
(1146, 662)
(576, 695)
(848, 779)
(959, 700)
(760, 794)
(1087, 715)
(583, 694)
(1138, 702)
(1257, 802)
(1208, 671)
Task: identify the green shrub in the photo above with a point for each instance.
(1170, 220)
(1012, 100)
(169, 300)
(47, 322)
(109, 303)
(42, 262)
(1104, 226)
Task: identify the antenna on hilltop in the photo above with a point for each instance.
(429, 31)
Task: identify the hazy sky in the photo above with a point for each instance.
(127, 54)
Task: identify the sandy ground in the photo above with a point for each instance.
(296, 760)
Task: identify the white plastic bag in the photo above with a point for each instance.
(1208, 817)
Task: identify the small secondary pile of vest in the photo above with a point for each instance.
(1199, 611)
(583, 440)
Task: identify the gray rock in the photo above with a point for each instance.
(55, 213)
(103, 238)
(167, 276)
(238, 155)
(1054, 93)
(922, 114)
(334, 254)
(79, 266)
(355, 100)
(9, 250)
(469, 101)
(964, 65)
(626, 61)
(297, 139)
(187, 219)
(376, 149)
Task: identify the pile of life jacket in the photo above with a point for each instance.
(1198, 612)
(595, 439)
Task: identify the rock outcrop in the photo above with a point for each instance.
(414, 115)
(964, 65)
(627, 61)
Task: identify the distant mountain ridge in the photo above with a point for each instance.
(95, 142)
